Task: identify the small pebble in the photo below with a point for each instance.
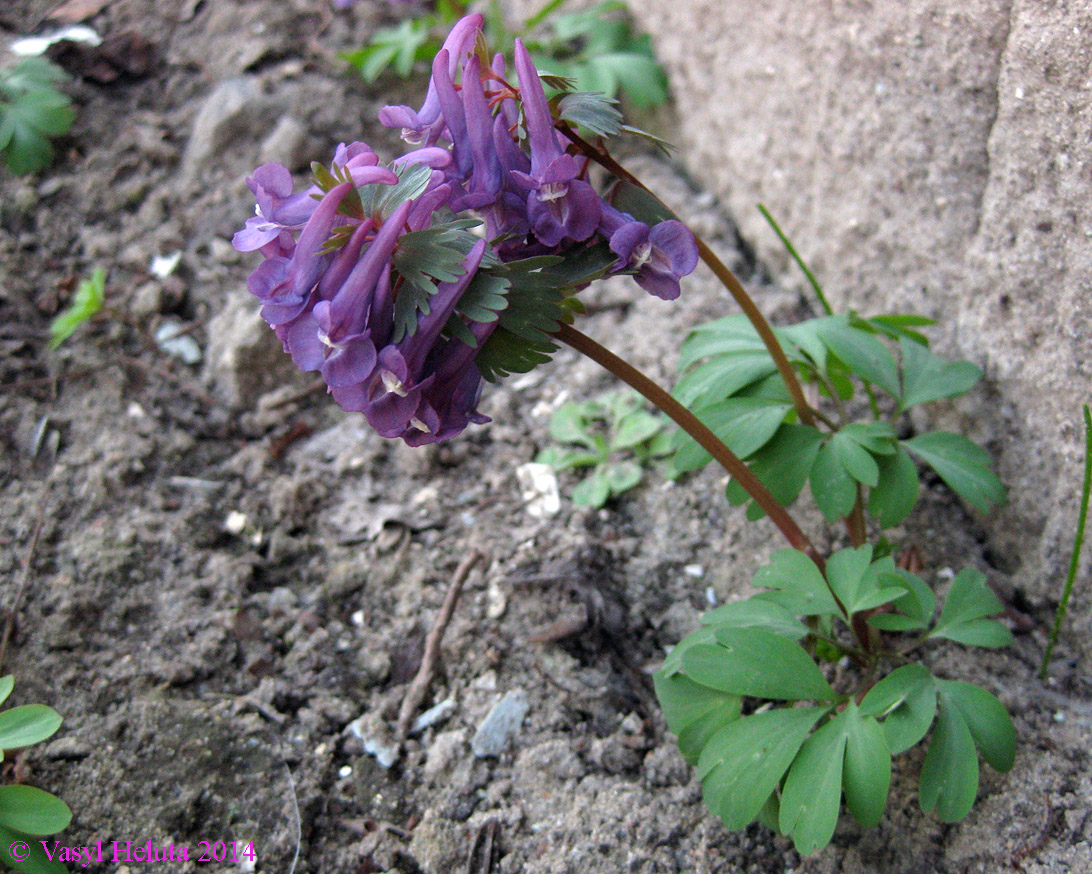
(503, 721)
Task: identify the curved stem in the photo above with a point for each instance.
(690, 423)
(726, 276)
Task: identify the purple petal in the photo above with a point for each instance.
(676, 240)
(350, 363)
(302, 342)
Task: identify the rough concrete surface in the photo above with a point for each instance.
(930, 157)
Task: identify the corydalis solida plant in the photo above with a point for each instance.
(406, 285)
(392, 281)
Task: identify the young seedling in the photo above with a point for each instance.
(614, 437)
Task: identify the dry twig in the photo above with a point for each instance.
(415, 694)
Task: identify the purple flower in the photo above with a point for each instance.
(278, 210)
(337, 279)
(424, 126)
(559, 205)
(658, 257)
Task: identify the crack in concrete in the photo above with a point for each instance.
(1002, 55)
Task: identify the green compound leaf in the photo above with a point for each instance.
(928, 377)
(988, 721)
(963, 618)
(798, 584)
(380, 201)
(31, 811)
(87, 302)
(6, 685)
(593, 491)
(906, 699)
(634, 429)
(759, 663)
(863, 354)
(36, 863)
(899, 326)
(567, 459)
(963, 465)
(812, 795)
(592, 110)
(32, 111)
(896, 491)
(860, 584)
(949, 775)
(782, 465)
(400, 47)
(482, 302)
(694, 712)
(832, 487)
(721, 377)
(867, 776)
(916, 604)
(744, 424)
(756, 613)
(535, 310)
(725, 336)
(26, 725)
(742, 764)
(621, 476)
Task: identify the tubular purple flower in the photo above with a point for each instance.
(559, 205)
(286, 300)
(658, 257)
(486, 179)
(278, 210)
(425, 126)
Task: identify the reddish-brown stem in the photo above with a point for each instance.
(726, 276)
(693, 426)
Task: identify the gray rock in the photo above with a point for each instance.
(928, 157)
(286, 144)
(503, 721)
(244, 358)
(229, 113)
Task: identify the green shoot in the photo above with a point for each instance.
(1078, 542)
(86, 303)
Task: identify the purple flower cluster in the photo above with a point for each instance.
(329, 285)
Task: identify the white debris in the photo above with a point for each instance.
(164, 265)
(694, 570)
(434, 715)
(171, 341)
(36, 45)
(235, 523)
(345, 771)
(538, 487)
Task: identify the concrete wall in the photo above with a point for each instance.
(932, 157)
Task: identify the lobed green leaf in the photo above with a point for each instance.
(963, 465)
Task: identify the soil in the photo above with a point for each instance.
(223, 582)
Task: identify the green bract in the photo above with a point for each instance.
(27, 813)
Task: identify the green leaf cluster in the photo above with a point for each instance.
(789, 755)
(731, 383)
(32, 111)
(613, 436)
(27, 813)
(86, 303)
(593, 50)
